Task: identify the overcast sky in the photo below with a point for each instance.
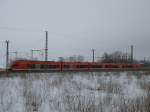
(75, 26)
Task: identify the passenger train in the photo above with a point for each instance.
(54, 65)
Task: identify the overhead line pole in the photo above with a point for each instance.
(132, 53)
(7, 53)
(46, 46)
(93, 54)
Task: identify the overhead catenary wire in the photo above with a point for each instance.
(21, 29)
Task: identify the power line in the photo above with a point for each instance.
(16, 54)
(36, 30)
(37, 50)
(20, 29)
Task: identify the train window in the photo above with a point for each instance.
(106, 66)
(129, 66)
(32, 66)
(53, 66)
(66, 66)
(83, 66)
(15, 65)
(44, 66)
(37, 66)
(115, 66)
(96, 66)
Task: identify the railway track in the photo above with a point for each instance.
(74, 70)
(25, 73)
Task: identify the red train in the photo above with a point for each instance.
(53, 65)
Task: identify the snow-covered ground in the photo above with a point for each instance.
(76, 92)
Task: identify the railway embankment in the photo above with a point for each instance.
(8, 73)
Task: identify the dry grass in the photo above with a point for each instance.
(91, 92)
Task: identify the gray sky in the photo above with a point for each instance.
(76, 26)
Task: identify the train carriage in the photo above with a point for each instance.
(53, 65)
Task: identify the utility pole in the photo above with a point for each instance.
(46, 46)
(93, 54)
(132, 53)
(7, 53)
(126, 57)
